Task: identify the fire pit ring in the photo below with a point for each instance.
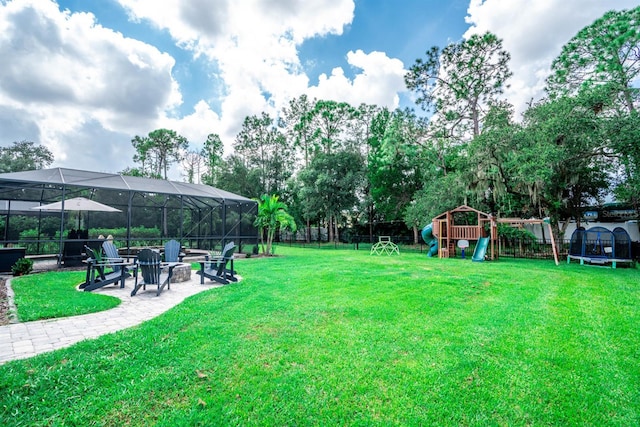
(181, 272)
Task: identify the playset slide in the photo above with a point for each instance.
(481, 249)
(430, 240)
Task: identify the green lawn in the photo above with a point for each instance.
(50, 295)
(319, 337)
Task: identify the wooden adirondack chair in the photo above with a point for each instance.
(219, 268)
(72, 253)
(113, 258)
(151, 270)
(97, 274)
(172, 251)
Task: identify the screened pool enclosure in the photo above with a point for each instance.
(148, 212)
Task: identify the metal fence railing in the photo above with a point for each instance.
(505, 247)
(531, 249)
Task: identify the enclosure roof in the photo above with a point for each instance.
(80, 178)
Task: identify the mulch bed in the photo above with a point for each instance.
(4, 304)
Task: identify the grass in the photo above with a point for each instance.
(50, 295)
(317, 337)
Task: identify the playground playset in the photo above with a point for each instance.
(443, 234)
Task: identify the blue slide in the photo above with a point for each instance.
(430, 240)
(481, 249)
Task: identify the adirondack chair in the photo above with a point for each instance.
(95, 244)
(113, 258)
(97, 274)
(151, 270)
(219, 268)
(172, 251)
(72, 253)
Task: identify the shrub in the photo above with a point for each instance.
(22, 267)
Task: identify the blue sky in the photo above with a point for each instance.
(84, 77)
(378, 25)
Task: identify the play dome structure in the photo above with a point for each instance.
(599, 245)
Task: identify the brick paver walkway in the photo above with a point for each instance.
(22, 340)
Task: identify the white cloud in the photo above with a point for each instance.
(199, 23)
(379, 82)
(84, 90)
(534, 31)
(253, 43)
(82, 85)
(196, 126)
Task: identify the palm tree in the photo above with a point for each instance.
(272, 213)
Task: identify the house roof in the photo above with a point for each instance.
(80, 178)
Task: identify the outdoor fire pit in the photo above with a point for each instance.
(181, 272)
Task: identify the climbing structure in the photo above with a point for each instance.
(384, 247)
(483, 229)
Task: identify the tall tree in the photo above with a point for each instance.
(331, 183)
(623, 131)
(157, 151)
(605, 53)
(330, 121)
(562, 157)
(359, 128)
(296, 120)
(264, 148)
(488, 162)
(457, 82)
(144, 156)
(394, 168)
(234, 176)
(24, 156)
(192, 163)
(359, 132)
(439, 193)
(212, 153)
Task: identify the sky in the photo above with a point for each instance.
(84, 77)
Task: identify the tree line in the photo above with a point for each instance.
(339, 165)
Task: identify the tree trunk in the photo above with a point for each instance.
(270, 234)
(629, 100)
(165, 225)
(330, 228)
(264, 249)
(370, 224)
(558, 232)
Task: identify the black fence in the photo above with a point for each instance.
(531, 249)
(505, 247)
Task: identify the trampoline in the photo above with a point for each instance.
(600, 246)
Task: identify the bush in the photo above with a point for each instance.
(516, 233)
(140, 236)
(22, 267)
